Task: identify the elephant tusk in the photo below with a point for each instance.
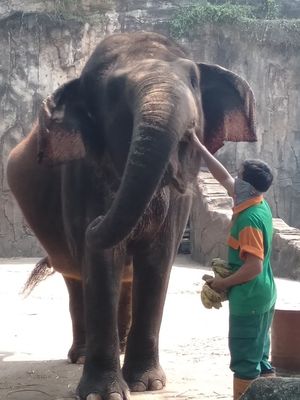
(195, 140)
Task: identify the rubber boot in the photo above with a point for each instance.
(269, 374)
(240, 386)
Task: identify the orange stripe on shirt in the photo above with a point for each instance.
(251, 241)
(247, 203)
(232, 242)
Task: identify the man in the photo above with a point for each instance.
(251, 287)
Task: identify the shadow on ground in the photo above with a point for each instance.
(38, 380)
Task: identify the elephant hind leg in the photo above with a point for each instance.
(124, 316)
(77, 352)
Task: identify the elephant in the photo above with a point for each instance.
(105, 180)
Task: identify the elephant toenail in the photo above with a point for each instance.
(94, 396)
(138, 387)
(115, 396)
(80, 360)
(156, 385)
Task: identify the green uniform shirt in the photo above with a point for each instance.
(252, 232)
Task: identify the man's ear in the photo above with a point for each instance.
(61, 119)
(228, 105)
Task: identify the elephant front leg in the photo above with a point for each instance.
(76, 353)
(102, 377)
(142, 370)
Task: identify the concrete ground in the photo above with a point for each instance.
(35, 335)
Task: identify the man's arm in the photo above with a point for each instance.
(251, 269)
(218, 171)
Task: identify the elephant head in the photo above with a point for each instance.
(141, 98)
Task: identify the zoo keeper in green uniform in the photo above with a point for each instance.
(251, 287)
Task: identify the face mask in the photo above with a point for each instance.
(243, 191)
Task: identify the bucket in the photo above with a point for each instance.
(285, 342)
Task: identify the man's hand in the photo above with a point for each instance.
(218, 284)
(249, 270)
(218, 171)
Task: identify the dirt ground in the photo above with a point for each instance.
(35, 336)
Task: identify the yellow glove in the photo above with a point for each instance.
(209, 297)
(220, 267)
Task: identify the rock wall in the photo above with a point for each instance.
(50, 42)
(38, 55)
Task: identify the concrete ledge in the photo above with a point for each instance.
(286, 250)
(210, 220)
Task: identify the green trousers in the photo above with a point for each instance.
(249, 344)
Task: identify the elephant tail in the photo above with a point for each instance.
(41, 271)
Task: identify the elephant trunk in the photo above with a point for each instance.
(155, 134)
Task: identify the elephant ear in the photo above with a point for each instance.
(228, 105)
(61, 119)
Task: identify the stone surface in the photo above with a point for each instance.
(273, 389)
(210, 218)
(290, 8)
(210, 222)
(286, 250)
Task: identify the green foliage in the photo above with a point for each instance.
(187, 18)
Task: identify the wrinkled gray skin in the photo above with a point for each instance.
(105, 180)
(273, 389)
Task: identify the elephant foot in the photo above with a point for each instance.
(152, 378)
(113, 396)
(109, 386)
(76, 354)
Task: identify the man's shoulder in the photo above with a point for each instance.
(256, 215)
(257, 209)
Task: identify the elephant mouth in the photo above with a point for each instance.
(169, 179)
(180, 187)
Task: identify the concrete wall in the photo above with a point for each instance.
(41, 50)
